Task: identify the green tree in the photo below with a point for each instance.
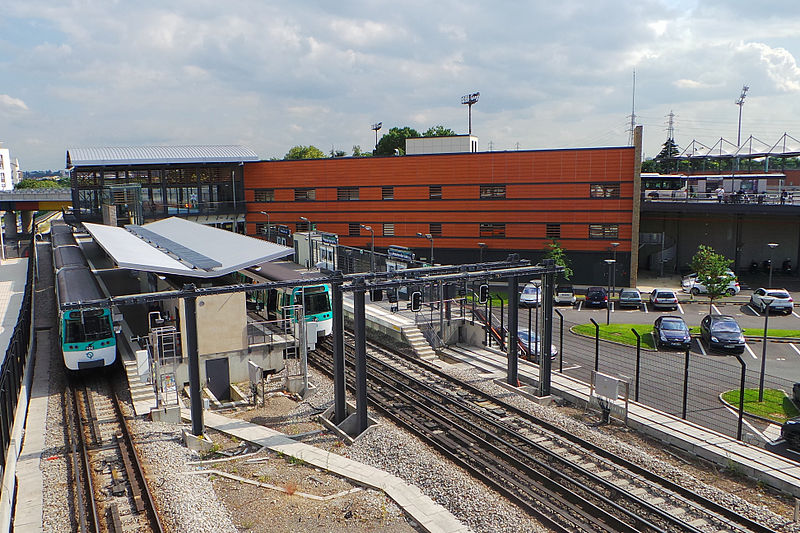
(557, 254)
(395, 139)
(438, 131)
(358, 153)
(713, 271)
(39, 184)
(304, 152)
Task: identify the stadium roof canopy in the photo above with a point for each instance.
(751, 148)
(178, 246)
(153, 155)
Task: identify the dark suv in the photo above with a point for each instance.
(596, 297)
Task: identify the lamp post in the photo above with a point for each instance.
(767, 303)
(772, 246)
(481, 245)
(376, 127)
(371, 247)
(430, 238)
(614, 273)
(269, 226)
(310, 262)
(610, 263)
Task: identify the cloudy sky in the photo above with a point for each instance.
(271, 75)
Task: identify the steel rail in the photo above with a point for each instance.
(76, 447)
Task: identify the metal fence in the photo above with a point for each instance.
(13, 366)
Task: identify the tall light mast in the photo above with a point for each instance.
(740, 103)
(469, 100)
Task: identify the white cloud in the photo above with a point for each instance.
(10, 102)
(781, 66)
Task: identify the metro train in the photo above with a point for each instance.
(87, 336)
(316, 299)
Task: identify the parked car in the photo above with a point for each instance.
(630, 298)
(596, 297)
(534, 341)
(565, 295)
(665, 298)
(531, 295)
(790, 432)
(780, 300)
(671, 331)
(722, 332)
(690, 284)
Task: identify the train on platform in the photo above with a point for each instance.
(87, 335)
(315, 299)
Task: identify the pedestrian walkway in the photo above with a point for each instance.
(752, 461)
(13, 276)
(431, 516)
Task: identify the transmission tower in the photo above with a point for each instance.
(671, 126)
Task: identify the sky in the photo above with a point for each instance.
(272, 75)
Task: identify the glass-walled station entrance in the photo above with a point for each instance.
(137, 185)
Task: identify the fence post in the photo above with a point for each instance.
(685, 384)
(489, 321)
(502, 324)
(638, 361)
(596, 345)
(741, 396)
(560, 341)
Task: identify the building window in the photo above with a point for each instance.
(265, 195)
(435, 229)
(302, 226)
(490, 229)
(354, 229)
(604, 190)
(435, 192)
(387, 193)
(604, 231)
(388, 230)
(261, 228)
(493, 191)
(553, 231)
(305, 195)
(347, 193)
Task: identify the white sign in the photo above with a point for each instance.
(606, 386)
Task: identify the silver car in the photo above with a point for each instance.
(630, 298)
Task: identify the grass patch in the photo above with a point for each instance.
(759, 332)
(619, 333)
(776, 405)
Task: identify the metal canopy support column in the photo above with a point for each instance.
(190, 305)
(340, 411)
(361, 354)
(545, 365)
(513, 322)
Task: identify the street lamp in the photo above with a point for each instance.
(772, 246)
(376, 127)
(269, 226)
(430, 238)
(610, 263)
(614, 276)
(371, 248)
(481, 245)
(767, 303)
(310, 262)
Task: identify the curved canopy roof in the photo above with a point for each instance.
(149, 155)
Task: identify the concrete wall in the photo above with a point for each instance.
(221, 323)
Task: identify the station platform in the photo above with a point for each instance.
(431, 516)
(778, 472)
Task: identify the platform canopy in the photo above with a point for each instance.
(178, 246)
(158, 155)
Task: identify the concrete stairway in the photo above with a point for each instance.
(416, 340)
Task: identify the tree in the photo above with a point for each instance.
(395, 139)
(713, 271)
(438, 131)
(304, 152)
(39, 184)
(358, 153)
(557, 254)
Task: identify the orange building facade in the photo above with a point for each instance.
(517, 201)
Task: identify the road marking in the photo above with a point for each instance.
(795, 314)
(735, 413)
(794, 348)
(714, 307)
(645, 308)
(580, 302)
(612, 306)
(680, 308)
(700, 344)
(753, 309)
(747, 347)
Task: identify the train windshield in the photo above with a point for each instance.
(316, 300)
(87, 326)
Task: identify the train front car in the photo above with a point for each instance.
(317, 306)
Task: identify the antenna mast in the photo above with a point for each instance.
(469, 100)
(633, 112)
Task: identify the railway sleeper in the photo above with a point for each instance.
(113, 519)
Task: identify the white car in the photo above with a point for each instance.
(565, 295)
(663, 298)
(691, 285)
(780, 300)
(531, 296)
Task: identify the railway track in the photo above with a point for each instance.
(567, 483)
(111, 494)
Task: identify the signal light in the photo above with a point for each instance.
(483, 294)
(416, 301)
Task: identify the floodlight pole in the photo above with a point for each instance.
(469, 100)
(377, 126)
(740, 103)
(772, 246)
